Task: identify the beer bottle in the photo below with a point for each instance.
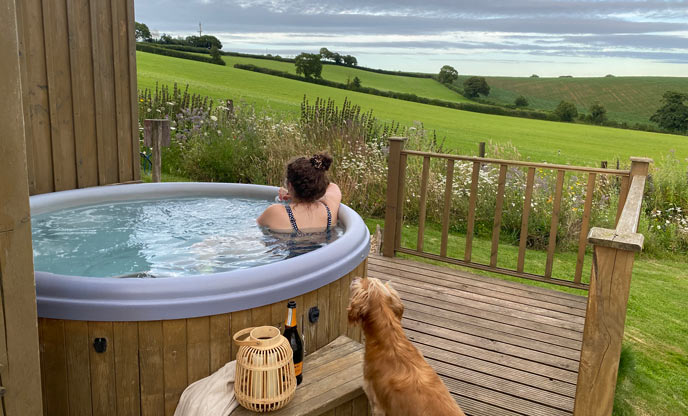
(292, 335)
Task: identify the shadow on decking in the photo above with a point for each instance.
(502, 348)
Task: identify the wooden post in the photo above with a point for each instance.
(603, 164)
(19, 356)
(610, 282)
(156, 134)
(481, 149)
(396, 144)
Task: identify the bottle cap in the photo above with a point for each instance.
(291, 304)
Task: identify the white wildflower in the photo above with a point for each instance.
(214, 118)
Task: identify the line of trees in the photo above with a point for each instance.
(143, 34)
(337, 58)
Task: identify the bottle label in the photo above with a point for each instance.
(298, 368)
(291, 318)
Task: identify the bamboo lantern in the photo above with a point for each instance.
(265, 378)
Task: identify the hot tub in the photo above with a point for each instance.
(131, 346)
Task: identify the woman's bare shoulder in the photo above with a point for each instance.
(271, 213)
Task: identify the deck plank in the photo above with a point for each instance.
(501, 347)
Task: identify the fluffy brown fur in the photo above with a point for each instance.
(398, 380)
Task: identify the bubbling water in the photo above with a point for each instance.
(160, 238)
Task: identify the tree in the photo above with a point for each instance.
(535, 76)
(474, 86)
(309, 65)
(448, 74)
(521, 101)
(356, 82)
(337, 58)
(350, 60)
(205, 41)
(566, 111)
(673, 114)
(215, 54)
(326, 54)
(598, 114)
(142, 33)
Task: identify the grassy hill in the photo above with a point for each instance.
(629, 99)
(423, 87)
(539, 140)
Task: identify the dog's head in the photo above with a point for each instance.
(370, 294)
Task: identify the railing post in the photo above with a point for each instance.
(396, 144)
(610, 283)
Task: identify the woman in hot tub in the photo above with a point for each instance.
(312, 202)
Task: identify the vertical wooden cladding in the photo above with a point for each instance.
(147, 365)
(79, 87)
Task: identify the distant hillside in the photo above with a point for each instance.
(553, 142)
(422, 87)
(629, 99)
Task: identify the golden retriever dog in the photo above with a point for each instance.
(398, 381)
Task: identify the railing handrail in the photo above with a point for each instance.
(542, 165)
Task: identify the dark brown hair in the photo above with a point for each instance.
(308, 176)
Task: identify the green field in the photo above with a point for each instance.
(629, 99)
(422, 87)
(538, 140)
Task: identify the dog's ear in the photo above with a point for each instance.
(394, 301)
(358, 304)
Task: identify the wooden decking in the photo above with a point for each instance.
(502, 348)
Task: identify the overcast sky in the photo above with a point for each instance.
(484, 37)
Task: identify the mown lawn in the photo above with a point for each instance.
(537, 140)
(653, 375)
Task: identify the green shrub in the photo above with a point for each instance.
(147, 47)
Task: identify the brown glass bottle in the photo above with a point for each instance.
(291, 333)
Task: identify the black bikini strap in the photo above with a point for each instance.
(291, 218)
(329, 216)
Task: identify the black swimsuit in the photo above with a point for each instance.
(295, 227)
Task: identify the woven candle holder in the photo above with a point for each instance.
(265, 379)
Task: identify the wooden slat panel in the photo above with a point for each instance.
(220, 341)
(519, 163)
(278, 312)
(334, 311)
(239, 320)
(126, 346)
(55, 368)
(133, 112)
(323, 332)
(24, 93)
(401, 199)
(310, 330)
(60, 94)
(360, 405)
(104, 87)
(556, 205)
(174, 362)
(497, 227)
(102, 371)
(78, 371)
(120, 48)
(422, 205)
(623, 194)
(344, 294)
(261, 316)
(524, 220)
(198, 348)
(81, 65)
(585, 225)
(37, 118)
(475, 177)
(151, 368)
(447, 205)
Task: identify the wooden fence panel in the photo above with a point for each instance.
(78, 73)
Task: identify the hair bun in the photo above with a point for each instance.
(321, 161)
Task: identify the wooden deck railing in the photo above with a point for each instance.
(396, 195)
(610, 283)
(612, 264)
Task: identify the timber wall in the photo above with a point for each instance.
(78, 71)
